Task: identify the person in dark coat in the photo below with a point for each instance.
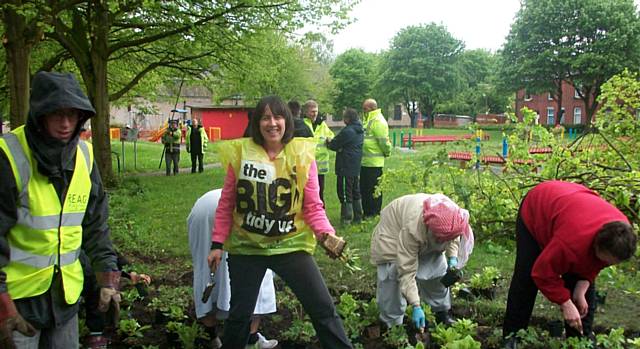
(348, 147)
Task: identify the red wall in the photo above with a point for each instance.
(540, 102)
(231, 121)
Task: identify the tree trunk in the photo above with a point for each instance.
(558, 102)
(19, 38)
(99, 92)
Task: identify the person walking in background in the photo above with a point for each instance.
(348, 148)
(419, 237)
(171, 141)
(301, 129)
(267, 212)
(565, 234)
(52, 206)
(200, 225)
(197, 141)
(376, 147)
(321, 133)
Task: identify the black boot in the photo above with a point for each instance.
(346, 213)
(444, 318)
(357, 211)
(510, 343)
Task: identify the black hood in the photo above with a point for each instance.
(51, 92)
(357, 126)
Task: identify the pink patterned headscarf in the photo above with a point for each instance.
(446, 221)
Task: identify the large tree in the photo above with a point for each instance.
(582, 42)
(353, 74)
(150, 34)
(421, 66)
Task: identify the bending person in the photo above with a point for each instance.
(200, 224)
(270, 203)
(565, 234)
(409, 246)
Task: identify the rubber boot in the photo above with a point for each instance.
(444, 318)
(357, 211)
(346, 213)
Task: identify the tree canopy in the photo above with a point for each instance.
(353, 74)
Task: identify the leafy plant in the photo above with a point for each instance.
(465, 327)
(396, 337)
(634, 342)
(348, 308)
(614, 340)
(531, 338)
(131, 328)
(577, 343)
(371, 313)
(487, 279)
(442, 335)
(300, 331)
(187, 334)
(465, 343)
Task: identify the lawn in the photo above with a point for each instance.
(148, 221)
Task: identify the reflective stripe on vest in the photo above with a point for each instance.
(47, 232)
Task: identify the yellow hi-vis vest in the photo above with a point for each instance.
(376, 145)
(321, 133)
(268, 217)
(48, 233)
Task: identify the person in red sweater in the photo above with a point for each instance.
(565, 234)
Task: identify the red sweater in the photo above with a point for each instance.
(564, 218)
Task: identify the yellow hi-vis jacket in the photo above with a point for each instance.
(268, 217)
(48, 233)
(376, 144)
(321, 133)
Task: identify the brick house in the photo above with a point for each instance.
(545, 105)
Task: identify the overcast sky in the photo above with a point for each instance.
(478, 23)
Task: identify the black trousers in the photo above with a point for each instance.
(523, 290)
(196, 158)
(321, 185)
(348, 188)
(172, 157)
(300, 272)
(369, 176)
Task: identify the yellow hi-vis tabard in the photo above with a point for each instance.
(268, 217)
(320, 134)
(376, 145)
(48, 233)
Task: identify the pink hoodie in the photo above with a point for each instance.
(313, 212)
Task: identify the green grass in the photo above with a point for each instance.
(148, 220)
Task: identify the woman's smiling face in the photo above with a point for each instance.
(272, 127)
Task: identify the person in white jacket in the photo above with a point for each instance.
(200, 224)
(419, 237)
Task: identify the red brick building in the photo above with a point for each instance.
(546, 106)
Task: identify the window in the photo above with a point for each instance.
(550, 116)
(576, 95)
(527, 96)
(550, 96)
(577, 115)
(397, 112)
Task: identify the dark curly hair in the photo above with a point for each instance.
(618, 239)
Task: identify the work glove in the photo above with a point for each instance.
(333, 245)
(11, 320)
(109, 301)
(418, 318)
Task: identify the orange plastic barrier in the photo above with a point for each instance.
(114, 133)
(214, 134)
(157, 135)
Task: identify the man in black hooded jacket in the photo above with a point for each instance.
(52, 206)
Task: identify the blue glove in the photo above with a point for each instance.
(452, 262)
(418, 317)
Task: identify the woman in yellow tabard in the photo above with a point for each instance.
(268, 209)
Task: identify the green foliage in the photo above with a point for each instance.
(187, 333)
(131, 328)
(349, 308)
(577, 343)
(420, 67)
(371, 313)
(465, 343)
(396, 337)
(487, 279)
(352, 74)
(614, 340)
(172, 301)
(300, 330)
